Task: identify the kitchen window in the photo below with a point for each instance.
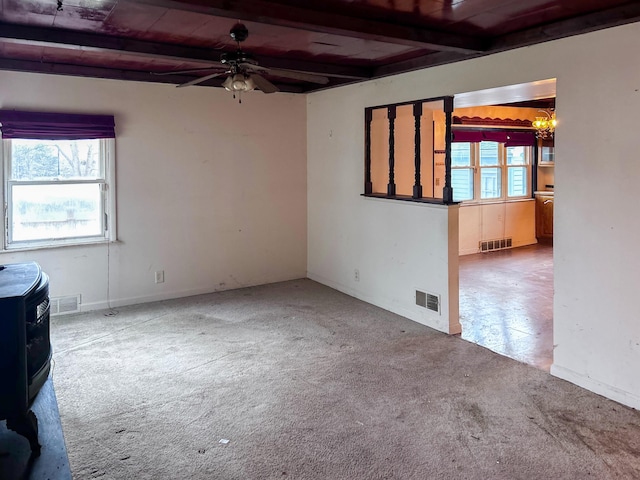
(488, 171)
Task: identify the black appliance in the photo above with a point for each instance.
(25, 348)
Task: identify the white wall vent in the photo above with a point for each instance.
(491, 245)
(421, 299)
(428, 300)
(61, 305)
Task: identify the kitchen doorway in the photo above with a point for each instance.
(506, 292)
(506, 302)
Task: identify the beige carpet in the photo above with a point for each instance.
(295, 380)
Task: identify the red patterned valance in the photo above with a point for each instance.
(509, 138)
(491, 122)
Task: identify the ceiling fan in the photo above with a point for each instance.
(243, 72)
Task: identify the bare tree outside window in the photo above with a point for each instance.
(56, 190)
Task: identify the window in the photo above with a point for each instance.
(489, 171)
(57, 192)
(462, 172)
(517, 171)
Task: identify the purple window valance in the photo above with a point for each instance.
(509, 138)
(470, 136)
(520, 139)
(55, 126)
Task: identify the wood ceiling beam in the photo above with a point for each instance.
(30, 66)
(425, 61)
(82, 41)
(552, 31)
(301, 17)
(590, 22)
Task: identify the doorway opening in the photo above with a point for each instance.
(506, 302)
(506, 244)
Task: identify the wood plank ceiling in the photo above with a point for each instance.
(343, 40)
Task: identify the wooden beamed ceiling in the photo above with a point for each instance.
(326, 21)
(345, 40)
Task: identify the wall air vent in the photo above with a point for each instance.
(428, 301)
(500, 244)
(421, 299)
(61, 305)
(433, 302)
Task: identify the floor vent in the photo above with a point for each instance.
(428, 300)
(491, 245)
(61, 305)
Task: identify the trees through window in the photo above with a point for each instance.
(57, 178)
(56, 191)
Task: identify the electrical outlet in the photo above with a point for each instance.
(356, 275)
(160, 276)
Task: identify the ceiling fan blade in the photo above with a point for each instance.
(263, 84)
(201, 79)
(294, 74)
(180, 72)
(306, 77)
(252, 66)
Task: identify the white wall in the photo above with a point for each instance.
(495, 221)
(398, 246)
(211, 191)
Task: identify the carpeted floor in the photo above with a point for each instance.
(295, 380)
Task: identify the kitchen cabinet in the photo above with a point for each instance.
(544, 216)
(547, 152)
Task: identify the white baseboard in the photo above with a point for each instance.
(609, 391)
(158, 297)
(385, 304)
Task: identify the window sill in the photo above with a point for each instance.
(29, 248)
(473, 203)
(407, 198)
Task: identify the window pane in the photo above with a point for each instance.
(42, 212)
(490, 180)
(62, 159)
(517, 181)
(488, 153)
(460, 154)
(462, 184)
(546, 154)
(516, 155)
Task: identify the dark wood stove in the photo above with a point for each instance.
(25, 349)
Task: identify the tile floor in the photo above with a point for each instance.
(506, 302)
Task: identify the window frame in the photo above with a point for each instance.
(470, 167)
(107, 187)
(503, 167)
(499, 165)
(528, 166)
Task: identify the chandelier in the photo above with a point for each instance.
(545, 126)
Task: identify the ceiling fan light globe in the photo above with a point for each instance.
(227, 84)
(238, 83)
(242, 83)
(249, 84)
